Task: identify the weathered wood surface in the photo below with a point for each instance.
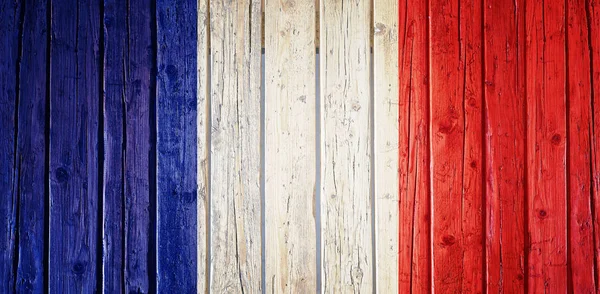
(32, 148)
(23, 84)
(123, 123)
(235, 147)
(176, 120)
(579, 130)
(128, 64)
(290, 147)
(347, 253)
(546, 145)
(415, 192)
(385, 143)
(202, 148)
(505, 143)
(75, 100)
(10, 20)
(592, 13)
(457, 141)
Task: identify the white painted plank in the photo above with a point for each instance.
(290, 159)
(347, 253)
(235, 147)
(385, 104)
(202, 150)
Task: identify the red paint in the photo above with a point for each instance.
(580, 226)
(415, 206)
(456, 137)
(512, 174)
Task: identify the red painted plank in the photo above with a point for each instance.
(581, 239)
(456, 138)
(593, 24)
(473, 212)
(546, 146)
(415, 202)
(505, 130)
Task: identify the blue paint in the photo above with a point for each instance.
(176, 146)
(74, 146)
(31, 147)
(9, 47)
(128, 83)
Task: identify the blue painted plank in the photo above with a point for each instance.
(128, 63)
(75, 100)
(31, 151)
(115, 87)
(176, 145)
(10, 20)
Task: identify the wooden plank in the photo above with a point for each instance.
(235, 146)
(385, 151)
(546, 146)
(10, 26)
(290, 162)
(346, 147)
(415, 193)
(580, 226)
(115, 89)
(473, 179)
(75, 98)
(202, 149)
(32, 150)
(505, 131)
(176, 174)
(456, 123)
(592, 12)
(127, 67)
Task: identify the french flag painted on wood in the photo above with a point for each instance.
(370, 146)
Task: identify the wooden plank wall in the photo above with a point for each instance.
(299, 146)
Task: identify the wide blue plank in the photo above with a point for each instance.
(31, 151)
(75, 100)
(10, 20)
(176, 145)
(128, 62)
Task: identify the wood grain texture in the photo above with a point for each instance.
(10, 26)
(177, 186)
(505, 143)
(346, 147)
(290, 134)
(75, 95)
(235, 146)
(415, 194)
(202, 148)
(546, 146)
(580, 226)
(128, 62)
(457, 149)
(385, 151)
(31, 148)
(592, 12)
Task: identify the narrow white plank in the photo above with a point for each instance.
(290, 133)
(235, 216)
(386, 95)
(202, 150)
(347, 253)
